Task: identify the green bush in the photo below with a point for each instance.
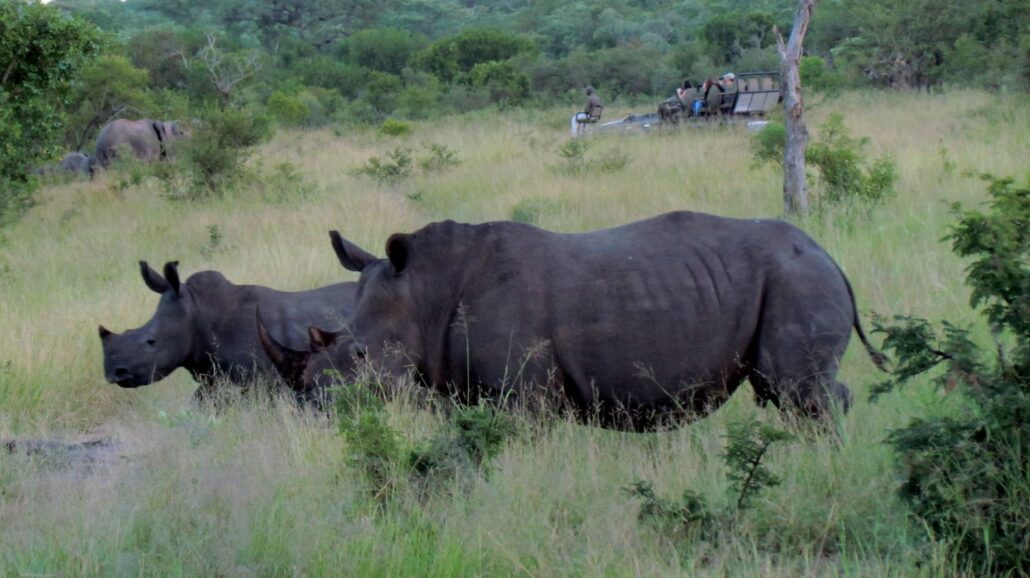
(451, 57)
(471, 439)
(769, 144)
(689, 517)
(506, 85)
(815, 75)
(846, 177)
(215, 157)
(289, 109)
(383, 49)
(381, 93)
(41, 50)
(438, 158)
(396, 167)
(394, 127)
(574, 161)
(840, 161)
(692, 517)
(967, 476)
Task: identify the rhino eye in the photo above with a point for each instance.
(151, 342)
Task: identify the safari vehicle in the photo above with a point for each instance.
(750, 97)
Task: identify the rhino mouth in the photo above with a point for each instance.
(128, 381)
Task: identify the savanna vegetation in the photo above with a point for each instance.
(373, 118)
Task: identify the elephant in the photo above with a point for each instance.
(77, 163)
(148, 139)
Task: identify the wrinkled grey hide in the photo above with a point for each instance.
(632, 327)
(206, 325)
(76, 162)
(147, 139)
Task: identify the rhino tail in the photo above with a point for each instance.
(879, 358)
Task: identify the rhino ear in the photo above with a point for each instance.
(104, 332)
(398, 249)
(153, 279)
(352, 257)
(321, 339)
(288, 362)
(172, 275)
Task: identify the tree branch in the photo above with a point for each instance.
(7, 73)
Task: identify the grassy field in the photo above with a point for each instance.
(263, 489)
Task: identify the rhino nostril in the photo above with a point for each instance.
(121, 373)
(358, 350)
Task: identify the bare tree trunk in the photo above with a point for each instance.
(795, 191)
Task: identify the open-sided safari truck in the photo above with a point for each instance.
(749, 96)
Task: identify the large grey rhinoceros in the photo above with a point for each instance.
(148, 139)
(207, 326)
(631, 327)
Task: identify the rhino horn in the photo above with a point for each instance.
(321, 339)
(290, 363)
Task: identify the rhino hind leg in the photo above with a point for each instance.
(794, 366)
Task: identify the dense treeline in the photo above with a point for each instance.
(318, 62)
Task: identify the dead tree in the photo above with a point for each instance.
(227, 69)
(795, 191)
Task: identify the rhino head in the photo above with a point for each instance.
(147, 354)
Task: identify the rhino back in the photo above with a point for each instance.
(626, 313)
(228, 314)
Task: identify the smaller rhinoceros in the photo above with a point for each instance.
(207, 326)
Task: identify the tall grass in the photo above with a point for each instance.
(265, 490)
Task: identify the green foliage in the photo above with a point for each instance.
(385, 50)
(749, 442)
(452, 57)
(843, 172)
(215, 236)
(815, 75)
(473, 437)
(729, 33)
(769, 144)
(374, 447)
(574, 161)
(506, 85)
(40, 52)
(285, 183)
(573, 155)
(438, 158)
(106, 88)
(380, 94)
(396, 167)
(691, 516)
(481, 431)
(840, 161)
(215, 157)
(394, 127)
(529, 210)
(289, 109)
(967, 477)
